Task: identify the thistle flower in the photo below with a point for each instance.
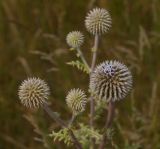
(111, 80)
(75, 39)
(76, 100)
(98, 21)
(33, 92)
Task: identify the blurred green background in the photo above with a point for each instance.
(32, 43)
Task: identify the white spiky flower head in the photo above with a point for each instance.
(111, 81)
(98, 21)
(33, 92)
(76, 101)
(75, 39)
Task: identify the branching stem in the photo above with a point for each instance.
(62, 124)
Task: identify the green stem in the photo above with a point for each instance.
(83, 58)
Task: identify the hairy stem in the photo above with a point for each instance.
(62, 124)
(109, 119)
(83, 58)
(95, 48)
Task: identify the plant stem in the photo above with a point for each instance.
(82, 58)
(54, 116)
(109, 119)
(72, 119)
(95, 48)
(74, 139)
(62, 124)
(92, 121)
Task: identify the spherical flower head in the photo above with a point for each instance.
(75, 39)
(111, 81)
(33, 92)
(76, 101)
(98, 21)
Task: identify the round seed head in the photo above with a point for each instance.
(33, 92)
(76, 100)
(75, 39)
(111, 81)
(98, 21)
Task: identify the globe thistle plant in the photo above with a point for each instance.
(75, 39)
(33, 92)
(76, 101)
(111, 80)
(98, 21)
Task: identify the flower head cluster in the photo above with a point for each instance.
(111, 80)
(75, 39)
(76, 100)
(33, 92)
(98, 21)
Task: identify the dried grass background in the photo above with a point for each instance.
(32, 43)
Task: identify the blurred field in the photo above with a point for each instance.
(27, 26)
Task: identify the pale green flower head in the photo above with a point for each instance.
(33, 92)
(75, 39)
(98, 21)
(76, 101)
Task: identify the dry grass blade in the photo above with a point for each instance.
(11, 140)
(25, 65)
(8, 9)
(143, 41)
(44, 56)
(38, 130)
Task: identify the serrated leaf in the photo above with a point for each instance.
(85, 133)
(79, 66)
(62, 135)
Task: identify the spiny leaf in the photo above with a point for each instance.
(61, 135)
(85, 133)
(79, 66)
